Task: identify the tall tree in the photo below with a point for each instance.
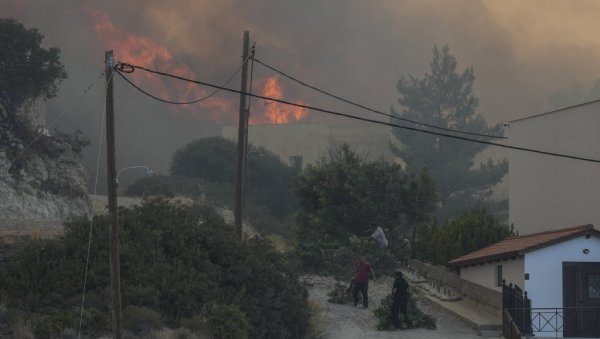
(343, 195)
(27, 71)
(269, 181)
(445, 98)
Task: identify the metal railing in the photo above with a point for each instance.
(580, 321)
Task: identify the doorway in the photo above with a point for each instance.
(581, 299)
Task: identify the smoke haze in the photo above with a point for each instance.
(521, 52)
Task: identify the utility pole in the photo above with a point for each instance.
(242, 141)
(111, 169)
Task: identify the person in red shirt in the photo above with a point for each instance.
(361, 281)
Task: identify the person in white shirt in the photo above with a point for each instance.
(380, 238)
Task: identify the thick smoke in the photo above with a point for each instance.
(521, 52)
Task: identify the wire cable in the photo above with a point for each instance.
(69, 106)
(367, 119)
(125, 69)
(372, 109)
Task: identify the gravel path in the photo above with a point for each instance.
(348, 322)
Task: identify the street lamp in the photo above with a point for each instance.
(147, 171)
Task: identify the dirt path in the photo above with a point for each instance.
(348, 322)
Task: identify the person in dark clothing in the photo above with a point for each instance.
(361, 282)
(400, 295)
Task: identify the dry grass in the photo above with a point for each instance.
(314, 322)
(23, 330)
(279, 243)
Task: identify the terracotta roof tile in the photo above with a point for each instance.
(519, 244)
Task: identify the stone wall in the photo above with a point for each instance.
(484, 298)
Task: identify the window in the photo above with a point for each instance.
(593, 286)
(499, 275)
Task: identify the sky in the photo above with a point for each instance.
(521, 52)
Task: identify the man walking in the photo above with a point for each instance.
(361, 281)
(400, 295)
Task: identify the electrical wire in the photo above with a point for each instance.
(374, 110)
(125, 69)
(366, 119)
(92, 211)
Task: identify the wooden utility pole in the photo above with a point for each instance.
(111, 170)
(242, 141)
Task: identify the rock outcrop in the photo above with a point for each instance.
(41, 177)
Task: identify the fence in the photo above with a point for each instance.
(518, 306)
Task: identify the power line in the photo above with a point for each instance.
(365, 119)
(374, 110)
(123, 68)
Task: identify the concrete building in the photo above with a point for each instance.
(559, 269)
(304, 143)
(547, 192)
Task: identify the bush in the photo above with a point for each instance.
(415, 318)
(175, 260)
(473, 230)
(140, 319)
(340, 294)
(338, 258)
(228, 322)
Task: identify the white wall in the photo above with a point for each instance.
(485, 275)
(544, 266)
(548, 192)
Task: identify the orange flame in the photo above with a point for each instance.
(275, 112)
(142, 51)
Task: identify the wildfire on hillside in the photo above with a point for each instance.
(143, 51)
(275, 112)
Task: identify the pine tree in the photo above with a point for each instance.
(445, 98)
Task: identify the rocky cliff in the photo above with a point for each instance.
(41, 176)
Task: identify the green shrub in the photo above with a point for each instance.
(197, 324)
(140, 319)
(228, 322)
(339, 294)
(175, 260)
(415, 318)
(338, 257)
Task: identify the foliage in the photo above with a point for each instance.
(473, 230)
(139, 319)
(76, 140)
(415, 318)
(445, 98)
(207, 168)
(27, 71)
(340, 294)
(175, 260)
(269, 180)
(228, 322)
(343, 197)
(338, 257)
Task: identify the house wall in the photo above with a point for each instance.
(544, 266)
(311, 140)
(485, 275)
(547, 192)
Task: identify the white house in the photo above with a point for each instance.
(559, 269)
(547, 192)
